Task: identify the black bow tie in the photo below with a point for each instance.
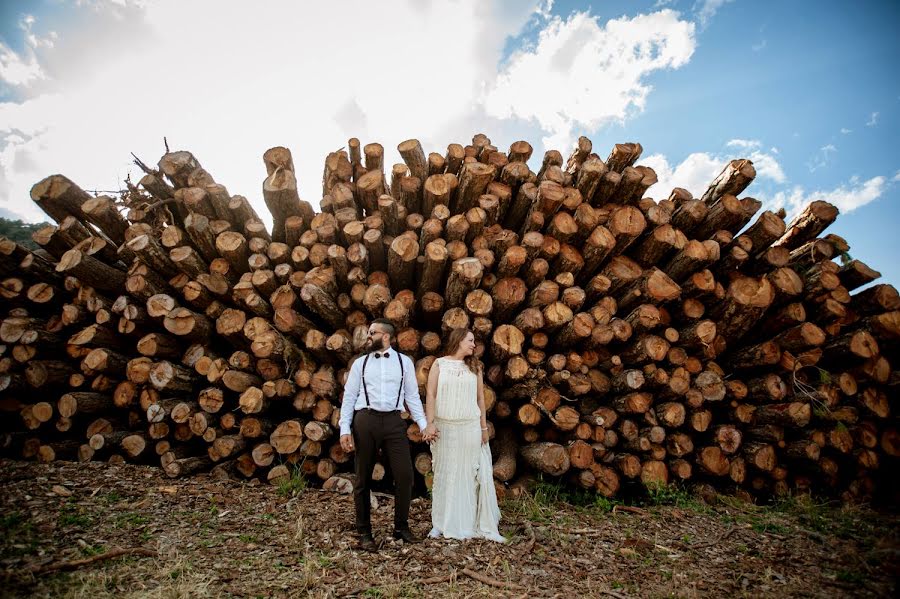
(384, 355)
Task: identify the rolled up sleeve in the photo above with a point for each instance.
(411, 394)
(351, 393)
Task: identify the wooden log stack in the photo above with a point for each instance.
(627, 341)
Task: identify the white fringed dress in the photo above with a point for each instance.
(464, 502)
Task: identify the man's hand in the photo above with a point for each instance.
(347, 443)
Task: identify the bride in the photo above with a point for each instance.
(464, 501)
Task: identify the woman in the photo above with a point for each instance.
(464, 502)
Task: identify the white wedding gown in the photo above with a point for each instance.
(464, 501)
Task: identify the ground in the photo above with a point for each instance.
(222, 538)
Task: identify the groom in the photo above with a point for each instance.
(377, 386)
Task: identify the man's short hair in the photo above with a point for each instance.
(387, 325)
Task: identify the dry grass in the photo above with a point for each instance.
(130, 578)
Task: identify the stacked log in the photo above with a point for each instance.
(627, 341)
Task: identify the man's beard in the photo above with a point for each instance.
(376, 345)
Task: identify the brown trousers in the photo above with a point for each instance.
(372, 431)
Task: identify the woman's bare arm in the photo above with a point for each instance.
(431, 399)
(482, 409)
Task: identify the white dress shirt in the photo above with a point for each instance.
(383, 384)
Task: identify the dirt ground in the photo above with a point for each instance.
(213, 538)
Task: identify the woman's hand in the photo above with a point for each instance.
(431, 433)
(485, 437)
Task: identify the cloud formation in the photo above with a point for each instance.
(582, 74)
(745, 144)
(707, 9)
(20, 70)
(847, 197)
(822, 158)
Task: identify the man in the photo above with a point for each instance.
(377, 386)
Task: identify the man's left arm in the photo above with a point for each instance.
(411, 394)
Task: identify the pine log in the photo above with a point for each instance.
(807, 225)
(550, 458)
(733, 179)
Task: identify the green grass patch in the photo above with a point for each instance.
(112, 497)
(765, 525)
(669, 495)
(828, 518)
(71, 515)
(11, 522)
(130, 520)
(296, 484)
(852, 577)
(542, 503)
(393, 591)
(92, 550)
(325, 562)
(18, 536)
(675, 495)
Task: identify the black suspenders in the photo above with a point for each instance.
(366, 391)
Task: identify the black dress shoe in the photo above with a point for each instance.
(406, 536)
(367, 543)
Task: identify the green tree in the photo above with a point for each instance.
(20, 232)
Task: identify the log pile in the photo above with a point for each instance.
(626, 340)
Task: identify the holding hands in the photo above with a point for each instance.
(431, 433)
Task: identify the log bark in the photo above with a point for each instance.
(807, 225)
(282, 199)
(733, 179)
(550, 458)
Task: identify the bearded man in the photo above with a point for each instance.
(379, 384)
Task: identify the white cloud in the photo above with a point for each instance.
(873, 120)
(896, 177)
(21, 69)
(707, 9)
(759, 46)
(694, 173)
(846, 197)
(295, 76)
(544, 10)
(845, 131)
(767, 167)
(746, 144)
(822, 158)
(581, 74)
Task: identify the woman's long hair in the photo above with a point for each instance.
(454, 339)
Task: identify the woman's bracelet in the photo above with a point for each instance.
(484, 429)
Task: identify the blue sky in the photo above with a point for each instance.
(802, 88)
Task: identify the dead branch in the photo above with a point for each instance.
(492, 581)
